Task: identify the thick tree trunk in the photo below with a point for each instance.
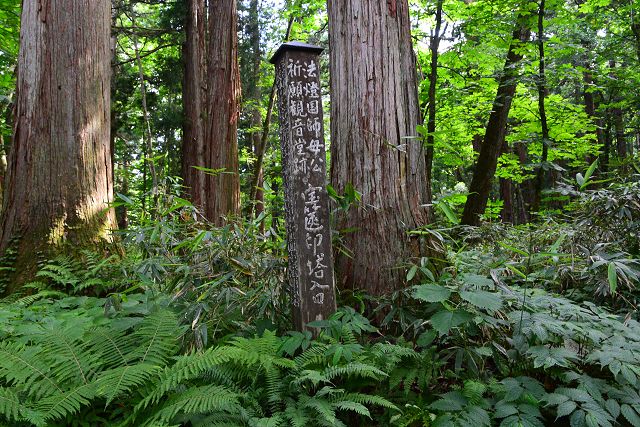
(490, 151)
(374, 144)
(212, 107)
(223, 110)
(193, 98)
(59, 178)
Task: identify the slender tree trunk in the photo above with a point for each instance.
(122, 213)
(59, 178)
(433, 80)
(541, 83)
(618, 123)
(606, 152)
(590, 105)
(525, 191)
(147, 136)
(4, 148)
(3, 169)
(374, 114)
(490, 151)
(506, 193)
(254, 94)
(635, 29)
(618, 119)
(193, 101)
(223, 110)
(262, 147)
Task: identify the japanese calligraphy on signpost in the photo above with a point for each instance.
(304, 169)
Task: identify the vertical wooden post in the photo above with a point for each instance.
(311, 278)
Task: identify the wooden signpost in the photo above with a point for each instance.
(311, 278)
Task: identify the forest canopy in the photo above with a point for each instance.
(320, 213)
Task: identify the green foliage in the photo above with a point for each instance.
(59, 362)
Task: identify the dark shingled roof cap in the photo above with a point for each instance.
(295, 46)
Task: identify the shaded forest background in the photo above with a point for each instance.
(485, 205)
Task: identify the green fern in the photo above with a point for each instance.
(10, 405)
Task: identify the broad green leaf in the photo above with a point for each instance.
(444, 320)
(489, 301)
(613, 407)
(631, 415)
(566, 408)
(431, 293)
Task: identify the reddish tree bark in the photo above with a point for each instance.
(59, 176)
(374, 144)
(193, 99)
(223, 111)
(212, 121)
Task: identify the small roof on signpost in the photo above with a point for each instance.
(297, 46)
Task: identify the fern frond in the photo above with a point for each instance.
(157, 338)
(113, 347)
(93, 282)
(274, 387)
(296, 416)
(10, 406)
(324, 408)
(354, 369)
(21, 366)
(121, 380)
(70, 360)
(348, 337)
(30, 299)
(315, 377)
(347, 405)
(189, 367)
(370, 399)
(313, 356)
(200, 400)
(59, 274)
(67, 403)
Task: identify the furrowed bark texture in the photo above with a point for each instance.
(374, 111)
(193, 96)
(212, 141)
(59, 176)
(487, 162)
(223, 83)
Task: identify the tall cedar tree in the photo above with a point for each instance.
(375, 148)
(212, 105)
(491, 147)
(59, 175)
